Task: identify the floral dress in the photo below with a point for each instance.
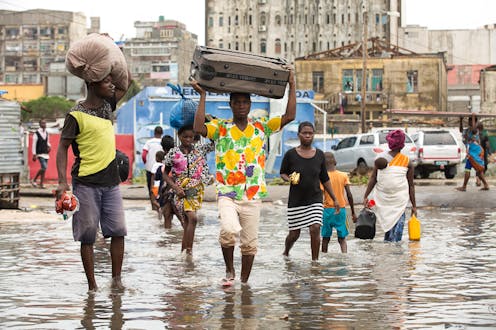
(190, 172)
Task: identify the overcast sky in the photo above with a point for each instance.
(119, 20)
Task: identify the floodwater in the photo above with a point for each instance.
(447, 280)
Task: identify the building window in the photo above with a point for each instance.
(412, 81)
(12, 78)
(249, 20)
(210, 21)
(314, 46)
(236, 20)
(167, 33)
(358, 80)
(318, 81)
(278, 46)
(263, 19)
(347, 80)
(292, 46)
(221, 21)
(236, 46)
(342, 18)
(328, 19)
(61, 30)
(377, 19)
(278, 20)
(249, 47)
(377, 79)
(290, 19)
(306, 20)
(263, 46)
(229, 20)
(221, 44)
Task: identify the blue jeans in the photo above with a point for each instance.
(396, 233)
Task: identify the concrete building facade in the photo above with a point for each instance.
(477, 46)
(291, 28)
(488, 89)
(161, 52)
(396, 81)
(467, 53)
(30, 41)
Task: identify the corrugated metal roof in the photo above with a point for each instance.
(10, 138)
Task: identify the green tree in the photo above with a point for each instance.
(47, 107)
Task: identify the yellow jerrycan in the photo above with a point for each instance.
(414, 230)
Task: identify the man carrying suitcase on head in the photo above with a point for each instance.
(240, 172)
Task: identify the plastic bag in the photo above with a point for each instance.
(414, 229)
(183, 112)
(67, 205)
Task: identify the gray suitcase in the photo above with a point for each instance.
(222, 70)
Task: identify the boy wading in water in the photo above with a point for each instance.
(340, 184)
(240, 172)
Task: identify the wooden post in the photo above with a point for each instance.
(364, 67)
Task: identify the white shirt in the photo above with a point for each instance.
(43, 134)
(152, 146)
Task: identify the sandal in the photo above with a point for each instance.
(227, 282)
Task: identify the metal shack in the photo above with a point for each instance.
(11, 157)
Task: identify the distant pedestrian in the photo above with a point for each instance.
(166, 194)
(484, 142)
(475, 155)
(41, 148)
(340, 184)
(157, 179)
(393, 187)
(148, 156)
(304, 167)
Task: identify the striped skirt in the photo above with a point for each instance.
(304, 216)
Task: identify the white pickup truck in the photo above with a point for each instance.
(437, 150)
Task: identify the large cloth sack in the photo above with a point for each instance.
(96, 56)
(183, 112)
(222, 70)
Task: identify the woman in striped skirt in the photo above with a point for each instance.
(304, 167)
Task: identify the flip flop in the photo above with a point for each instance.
(227, 282)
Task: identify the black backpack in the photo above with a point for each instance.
(122, 164)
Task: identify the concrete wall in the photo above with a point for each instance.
(23, 93)
(488, 91)
(462, 46)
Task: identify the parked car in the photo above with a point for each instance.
(438, 150)
(360, 150)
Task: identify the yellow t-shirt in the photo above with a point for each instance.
(338, 181)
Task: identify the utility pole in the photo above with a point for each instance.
(364, 66)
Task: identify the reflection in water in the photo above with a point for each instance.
(445, 280)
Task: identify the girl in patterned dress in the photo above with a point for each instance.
(187, 164)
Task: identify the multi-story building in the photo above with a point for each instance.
(161, 52)
(398, 80)
(291, 28)
(31, 40)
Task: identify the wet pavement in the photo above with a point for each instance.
(446, 280)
